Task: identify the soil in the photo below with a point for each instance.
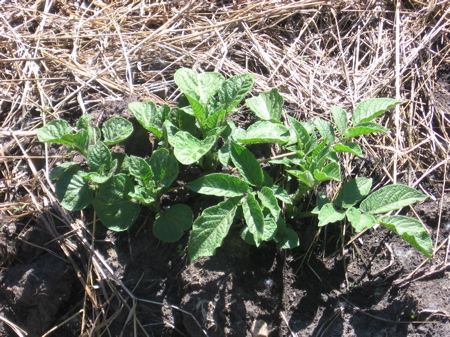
(376, 286)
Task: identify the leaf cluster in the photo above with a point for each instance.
(199, 132)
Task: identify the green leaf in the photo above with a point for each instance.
(84, 122)
(247, 165)
(188, 149)
(198, 110)
(331, 171)
(268, 200)
(281, 194)
(60, 169)
(201, 87)
(210, 228)
(303, 135)
(267, 105)
(144, 195)
(391, 198)
(218, 184)
(350, 148)
(215, 119)
(73, 191)
(113, 205)
(339, 118)
(170, 225)
(254, 218)
(412, 231)
(149, 116)
(183, 120)
(234, 89)
(53, 131)
(265, 132)
(164, 166)
(325, 129)
(305, 177)
(329, 214)
(371, 108)
(224, 155)
(287, 239)
(116, 129)
(99, 158)
(123, 162)
(140, 170)
(360, 221)
(352, 192)
(363, 129)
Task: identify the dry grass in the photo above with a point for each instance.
(58, 58)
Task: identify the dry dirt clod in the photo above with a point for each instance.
(259, 328)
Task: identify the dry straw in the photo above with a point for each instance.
(63, 58)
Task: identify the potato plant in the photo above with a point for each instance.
(199, 132)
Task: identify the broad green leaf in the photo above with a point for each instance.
(281, 194)
(84, 122)
(287, 239)
(94, 133)
(363, 129)
(270, 230)
(98, 178)
(303, 136)
(265, 132)
(305, 177)
(53, 131)
(188, 149)
(331, 171)
(183, 120)
(170, 225)
(350, 148)
(201, 87)
(391, 198)
(143, 194)
(140, 170)
(116, 129)
(215, 119)
(352, 192)
(224, 155)
(267, 105)
(253, 218)
(123, 162)
(234, 89)
(325, 129)
(164, 166)
(322, 200)
(113, 205)
(412, 231)
(60, 169)
(329, 214)
(218, 184)
(78, 141)
(339, 118)
(149, 116)
(247, 165)
(198, 109)
(73, 191)
(371, 108)
(360, 221)
(268, 200)
(99, 158)
(210, 228)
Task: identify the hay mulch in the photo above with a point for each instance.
(59, 59)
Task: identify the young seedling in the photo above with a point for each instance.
(199, 132)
